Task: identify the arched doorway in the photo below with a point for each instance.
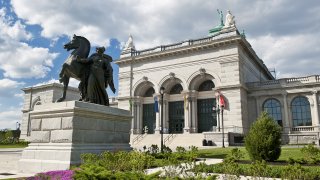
(176, 111)
(207, 118)
(149, 114)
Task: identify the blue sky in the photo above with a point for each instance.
(284, 33)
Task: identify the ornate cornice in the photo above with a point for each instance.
(211, 42)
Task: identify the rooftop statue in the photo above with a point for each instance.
(94, 73)
(221, 17)
(129, 44)
(230, 22)
(218, 27)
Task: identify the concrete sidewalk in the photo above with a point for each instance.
(9, 158)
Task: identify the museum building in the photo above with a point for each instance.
(205, 91)
(194, 75)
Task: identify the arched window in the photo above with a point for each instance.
(149, 92)
(301, 114)
(206, 86)
(176, 89)
(273, 108)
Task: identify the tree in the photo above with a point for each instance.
(264, 139)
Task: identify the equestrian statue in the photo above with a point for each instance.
(94, 73)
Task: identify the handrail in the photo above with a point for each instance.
(168, 137)
(137, 138)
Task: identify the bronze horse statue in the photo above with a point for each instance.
(71, 67)
(94, 73)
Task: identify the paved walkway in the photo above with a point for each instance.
(9, 166)
(9, 163)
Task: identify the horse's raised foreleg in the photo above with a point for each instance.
(65, 87)
(61, 75)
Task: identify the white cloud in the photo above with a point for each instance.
(73, 82)
(9, 118)
(290, 55)
(281, 31)
(14, 29)
(8, 88)
(18, 59)
(150, 22)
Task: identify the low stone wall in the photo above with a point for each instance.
(302, 138)
(61, 132)
(216, 138)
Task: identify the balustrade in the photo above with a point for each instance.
(303, 128)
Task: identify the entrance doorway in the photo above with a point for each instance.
(176, 117)
(149, 118)
(207, 119)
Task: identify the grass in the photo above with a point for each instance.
(13, 146)
(221, 153)
(277, 169)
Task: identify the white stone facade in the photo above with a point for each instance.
(226, 59)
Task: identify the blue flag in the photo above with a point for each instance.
(156, 108)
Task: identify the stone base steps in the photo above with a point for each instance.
(137, 141)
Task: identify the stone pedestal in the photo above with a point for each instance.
(61, 132)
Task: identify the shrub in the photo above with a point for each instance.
(118, 161)
(236, 154)
(98, 172)
(311, 153)
(153, 149)
(263, 140)
(259, 169)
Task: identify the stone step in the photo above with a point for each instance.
(170, 140)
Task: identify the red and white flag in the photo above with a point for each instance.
(222, 102)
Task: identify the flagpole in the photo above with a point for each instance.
(130, 99)
(218, 111)
(161, 130)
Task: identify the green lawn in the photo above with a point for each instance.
(223, 152)
(13, 146)
(275, 170)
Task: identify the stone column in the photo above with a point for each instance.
(258, 106)
(164, 109)
(194, 113)
(139, 118)
(286, 121)
(166, 116)
(134, 117)
(315, 119)
(187, 116)
(138, 115)
(190, 114)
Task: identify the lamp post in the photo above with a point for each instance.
(217, 94)
(222, 126)
(218, 109)
(161, 122)
(216, 112)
